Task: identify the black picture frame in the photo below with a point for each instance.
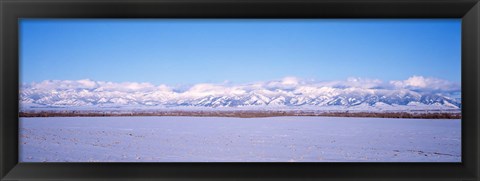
(12, 10)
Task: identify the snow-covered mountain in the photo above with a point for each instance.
(414, 93)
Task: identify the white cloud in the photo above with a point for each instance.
(417, 83)
(290, 81)
(65, 84)
(200, 90)
(124, 86)
(355, 82)
(421, 83)
(285, 83)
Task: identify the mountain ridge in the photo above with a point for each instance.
(287, 94)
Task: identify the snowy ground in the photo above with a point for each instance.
(217, 139)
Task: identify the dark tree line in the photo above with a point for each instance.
(246, 114)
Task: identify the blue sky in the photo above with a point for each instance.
(177, 52)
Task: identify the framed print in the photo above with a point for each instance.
(239, 90)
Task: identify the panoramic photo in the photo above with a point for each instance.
(238, 90)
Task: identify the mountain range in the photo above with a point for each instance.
(288, 93)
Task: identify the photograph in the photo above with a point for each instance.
(240, 90)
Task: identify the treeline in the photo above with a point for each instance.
(247, 114)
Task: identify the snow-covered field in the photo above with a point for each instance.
(218, 139)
